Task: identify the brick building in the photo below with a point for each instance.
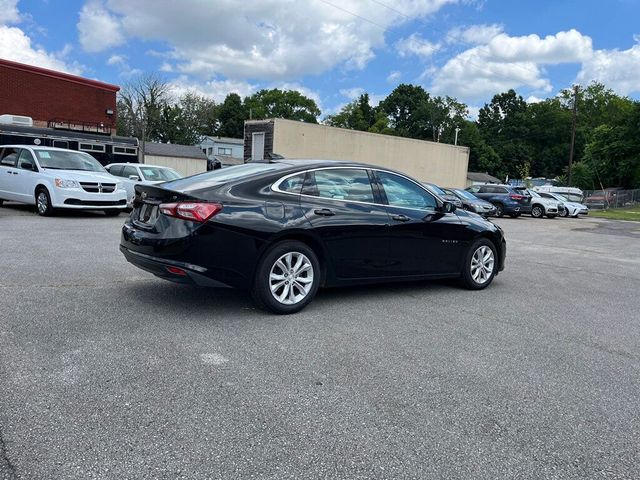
(57, 100)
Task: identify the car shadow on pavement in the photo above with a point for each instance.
(11, 209)
(207, 303)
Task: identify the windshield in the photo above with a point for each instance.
(159, 174)
(68, 160)
(465, 194)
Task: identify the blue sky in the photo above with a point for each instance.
(332, 50)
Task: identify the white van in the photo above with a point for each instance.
(53, 178)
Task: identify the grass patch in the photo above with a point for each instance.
(632, 213)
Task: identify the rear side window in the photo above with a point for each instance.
(9, 157)
(344, 184)
(292, 184)
(116, 170)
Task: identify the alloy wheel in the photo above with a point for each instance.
(482, 264)
(43, 203)
(291, 278)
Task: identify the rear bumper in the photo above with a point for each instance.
(190, 274)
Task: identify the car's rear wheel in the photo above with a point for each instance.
(499, 210)
(537, 211)
(287, 278)
(566, 213)
(43, 202)
(112, 212)
(481, 264)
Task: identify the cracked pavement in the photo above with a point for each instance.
(109, 373)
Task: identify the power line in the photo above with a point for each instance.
(392, 9)
(354, 14)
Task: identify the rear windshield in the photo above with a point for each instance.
(221, 176)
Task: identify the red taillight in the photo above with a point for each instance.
(196, 211)
(515, 196)
(177, 271)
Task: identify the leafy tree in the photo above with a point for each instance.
(404, 106)
(482, 157)
(276, 103)
(357, 115)
(231, 117)
(140, 105)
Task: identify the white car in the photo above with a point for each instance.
(571, 209)
(132, 174)
(53, 178)
(541, 206)
(570, 193)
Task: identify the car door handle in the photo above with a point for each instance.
(401, 218)
(324, 212)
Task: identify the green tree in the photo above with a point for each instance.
(357, 115)
(231, 115)
(276, 103)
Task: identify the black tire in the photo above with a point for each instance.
(112, 212)
(1, 202)
(566, 213)
(467, 277)
(261, 290)
(43, 202)
(537, 211)
(499, 210)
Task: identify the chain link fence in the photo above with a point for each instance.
(611, 198)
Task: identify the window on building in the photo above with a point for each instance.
(224, 151)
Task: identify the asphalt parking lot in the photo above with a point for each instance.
(106, 372)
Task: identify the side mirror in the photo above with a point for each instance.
(135, 178)
(447, 207)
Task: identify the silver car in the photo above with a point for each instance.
(132, 174)
(571, 209)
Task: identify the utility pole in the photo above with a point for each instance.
(455, 142)
(573, 131)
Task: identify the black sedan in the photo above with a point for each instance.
(283, 229)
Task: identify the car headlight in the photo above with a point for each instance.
(62, 183)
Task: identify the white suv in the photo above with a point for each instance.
(541, 206)
(53, 178)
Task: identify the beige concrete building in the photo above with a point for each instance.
(184, 159)
(439, 163)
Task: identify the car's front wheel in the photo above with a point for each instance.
(43, 202)
(565, 214)
(537, 211)
(287, 278)
(481, 264)
(499, 210)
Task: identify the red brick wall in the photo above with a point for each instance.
(45, 97)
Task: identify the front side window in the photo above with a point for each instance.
(25, 160)
(350, 184)
(116, 170)
(129, 171)
(402, 192)
(68, 160)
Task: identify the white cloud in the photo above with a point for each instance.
(534, 99)
(416, 45)
(120, 61)
(509, 62)
(215, 89)
(394, 76)
(474, 34)
(617, 69)
(16, 45)
(9, 12)
(352, 93)
(264, 39)
(99, 30)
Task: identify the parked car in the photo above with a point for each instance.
(541, 206)
(571, 209)
(609, 197)
(472, 203)
(52, 178)
(512, 201)
(442, 193)
(132, 174)
(285, 228)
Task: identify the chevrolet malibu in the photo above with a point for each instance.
(286, 228)
(52, 178)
